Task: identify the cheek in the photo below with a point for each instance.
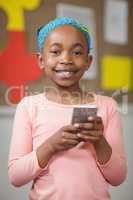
(81, 60)
(50, 63)
(82, 63)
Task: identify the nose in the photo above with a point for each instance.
(66, 59)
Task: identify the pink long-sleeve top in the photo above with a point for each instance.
(71, 174)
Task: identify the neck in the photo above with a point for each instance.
(73, 95)
(69, 90)
(67, 95)
(60, 89)
(64, 95)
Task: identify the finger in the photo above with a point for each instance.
(90, 118)
(98, 119)
(98, 126)
(98, 123)
(92, 133)
(70, 128)
(70, 141)
(67, 135)
(88, 138)
(94, 118)
(84, 125)
(90, 126)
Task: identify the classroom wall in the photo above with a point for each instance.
(19, 21)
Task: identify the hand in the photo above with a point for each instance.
(91, 131)
(65, 138)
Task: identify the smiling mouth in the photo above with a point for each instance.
(63, 73)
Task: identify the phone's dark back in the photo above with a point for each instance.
(81, 114)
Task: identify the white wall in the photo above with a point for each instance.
(8, 192)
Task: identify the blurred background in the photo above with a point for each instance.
(111, 25)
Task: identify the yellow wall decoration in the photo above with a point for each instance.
(14, 11)
(116, 72)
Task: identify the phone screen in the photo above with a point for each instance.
(82, 112)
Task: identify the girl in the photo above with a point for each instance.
(66, 161)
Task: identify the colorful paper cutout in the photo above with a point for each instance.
(14, 10)
(17, 66)
(116, 72)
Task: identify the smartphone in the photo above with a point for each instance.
(82, 112)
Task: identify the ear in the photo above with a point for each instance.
(89, 61)
(40, 60)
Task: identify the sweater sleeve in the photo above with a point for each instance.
(22, 164)
(115, 170)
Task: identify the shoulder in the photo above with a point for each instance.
(30, 104)
(32, 100)
(108, 108)
(107, 102)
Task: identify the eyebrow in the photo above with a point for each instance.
(55, 44)
(75, 45)
(78, 45)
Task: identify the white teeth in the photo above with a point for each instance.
(64, 74)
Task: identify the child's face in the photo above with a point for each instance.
(65, 56)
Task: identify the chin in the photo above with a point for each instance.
(65, 84)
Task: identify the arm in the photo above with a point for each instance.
(23, 163)
(103, 150)
(111, 150)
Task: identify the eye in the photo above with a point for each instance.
(55, 52)
(77, 53)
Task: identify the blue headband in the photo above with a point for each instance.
(45, 30)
